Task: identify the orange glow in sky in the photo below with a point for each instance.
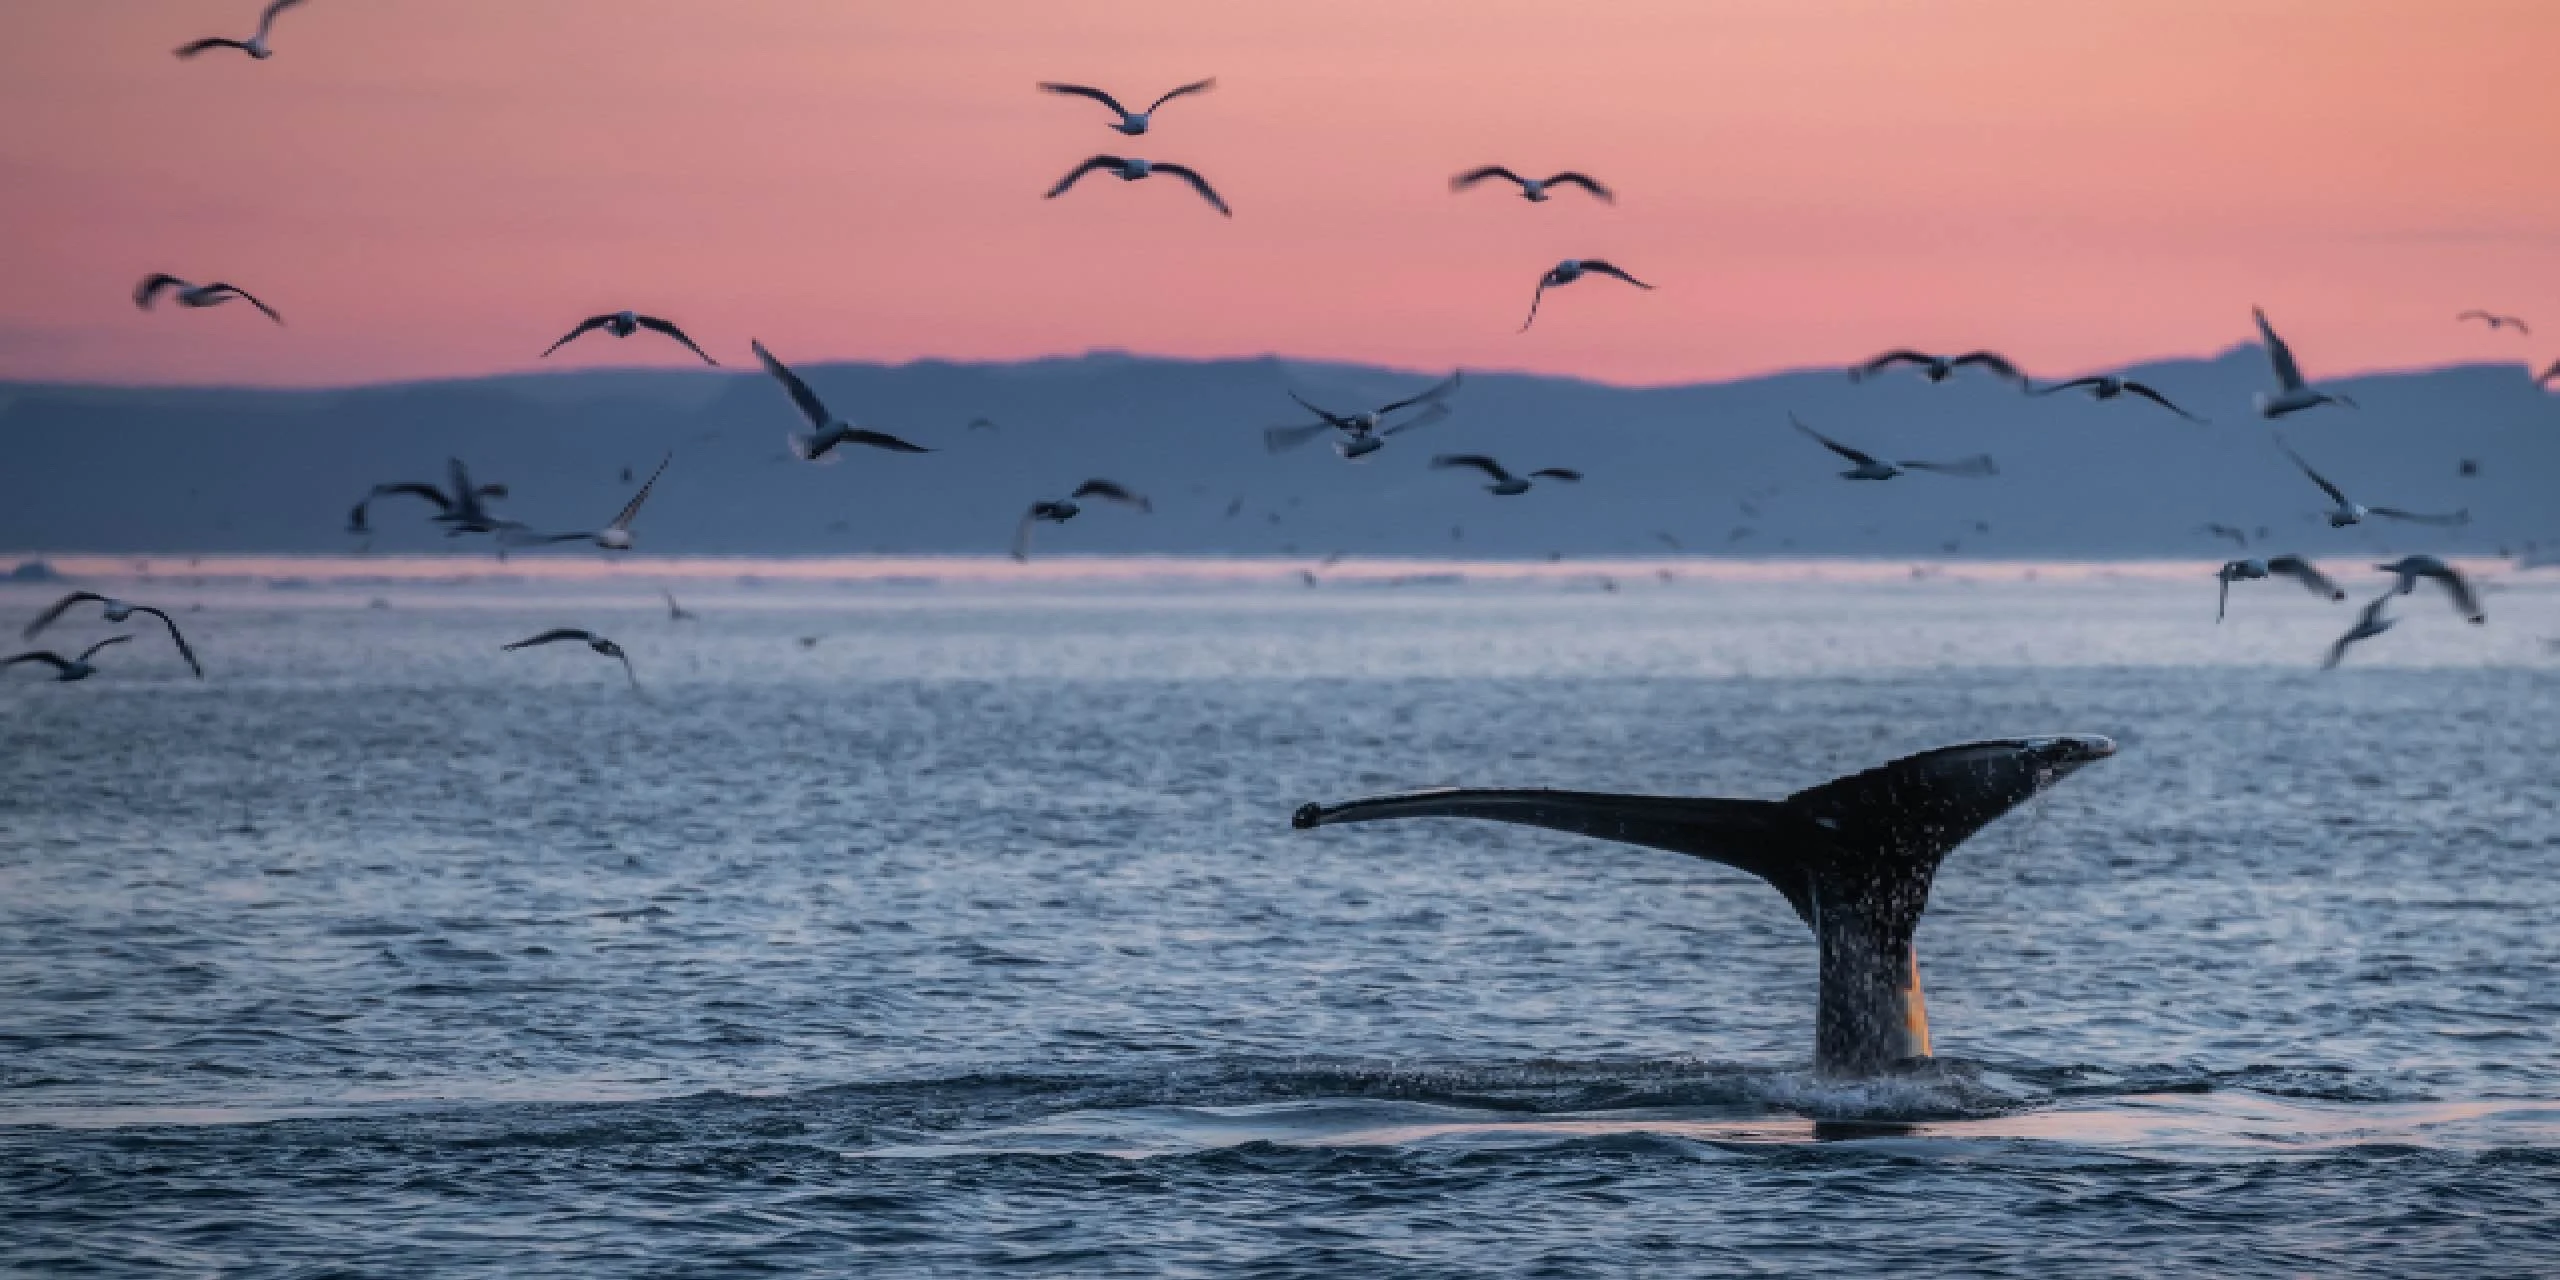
(441, 187)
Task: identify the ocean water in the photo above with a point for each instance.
(972, 937)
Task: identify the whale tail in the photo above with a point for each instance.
(1854, 856)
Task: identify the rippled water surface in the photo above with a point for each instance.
(972, 937)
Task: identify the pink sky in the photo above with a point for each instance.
(440, 187)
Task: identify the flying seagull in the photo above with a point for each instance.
(2548, 374)
(983, 424)
(622, 324)
(1131, 168)
(676, 612)
(115, 611)
(463, 511)
(67, 669)
(2238, 535)
(2109, 386)
(1939, 368)
(1534, 190)
(1565, 273)
(2347, 512)
(2372, 622)
(2411, 568)
(826, 431)
(2496, 321)
(1131, 123)
(1061, 510)
(1870, 467)
(617, 535)
(1505, 484)
(2294, 567)
(255, 46)
(196, 295)
(589, 639)
(1364, 433)
(2293, 395)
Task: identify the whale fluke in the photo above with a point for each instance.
(1854, 857)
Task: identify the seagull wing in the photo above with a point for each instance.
(1196, 86)
(2050, 388)
(1610, 269)
(1975, 466)
(92, 650)
(1474, 176)
(879, 440)
(2459, 588)
(1566, 474)
(267, 20)
(2288, 374)
(195, 47)
(811, 407)
(1077, 173)
(248, 297)
(1113, 491)
(1991, 360)
(2222, 609)
(2306, 573)
(1331, 419)
(1541, 296)
(2454, 520)
(2155, 397)
(58, 662)
(1022, 533)
(1862, 459)
(2548, 374)
(1283, 439)
(2477, 315)
(185, 650)
(2316, 478)
(412, 488)
(1586, 182)
(631, 509)
(54, 613)
(668, 328)
(1427, 397)
(553, 636)
(586, 326)
(1476, 460)
(1086, 91)
(1199, 184)
(148, 292)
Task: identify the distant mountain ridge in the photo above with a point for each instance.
(1713, 466)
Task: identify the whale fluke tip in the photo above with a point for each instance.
(1308, 815)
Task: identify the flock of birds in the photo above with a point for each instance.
(461, 506)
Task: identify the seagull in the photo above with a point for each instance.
(1061, 510)
(826, 430)
(983, 424)
(2238, 535)
(2411, 568)
(1505, 484)
(1131, 123)
(2292, 394)
(67, 669)
(115, 611)
(2548, 374)
(1130, 169)
(617, 535)
(1364, 432)
(1939, 368)
(464, 511)
(2369, 624)
(622, 324)
(1565, 273)
(1534, 190)
(588, 638)
(2496, 321)
(676, 612)
(2347, 512)
(2109, 386)
(255, 46)
(1872, 468)
(195, 295)
(2294, 567)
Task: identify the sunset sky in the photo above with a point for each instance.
(441, 187)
